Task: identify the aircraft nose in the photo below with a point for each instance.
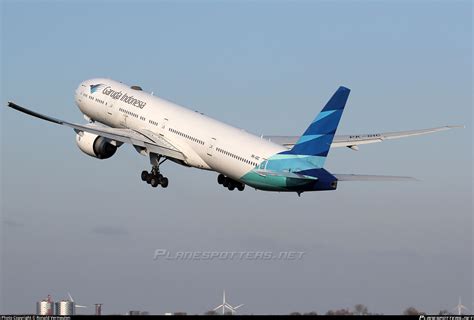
(79, 92)
(82, 86)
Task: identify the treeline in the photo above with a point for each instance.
(359, 309)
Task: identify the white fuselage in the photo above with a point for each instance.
(206, 143)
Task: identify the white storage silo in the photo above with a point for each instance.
(65, 308)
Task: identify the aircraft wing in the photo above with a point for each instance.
(153, 142)
(352, 141)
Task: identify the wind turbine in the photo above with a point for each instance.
(460, 307)
(226, 305)
(75, 305)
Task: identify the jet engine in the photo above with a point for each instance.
(95, 146)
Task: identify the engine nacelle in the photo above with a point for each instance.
(95, 146)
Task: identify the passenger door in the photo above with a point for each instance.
(123, 120)
(210, 149)
(164, 125)
(109, 109)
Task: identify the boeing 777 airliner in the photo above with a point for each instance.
(118, 114)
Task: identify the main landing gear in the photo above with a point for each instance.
(155, 178)
(229, 183)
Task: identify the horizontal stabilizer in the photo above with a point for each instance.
(368, 177)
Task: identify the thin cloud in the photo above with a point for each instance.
(110, 231)
(12, 223)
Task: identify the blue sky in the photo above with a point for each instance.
(90, 227)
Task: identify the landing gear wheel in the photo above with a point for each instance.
(164, 182)
(225, 183)
(231, 186)
(144, 175)
(148, 178)
(220, 179)
(154, 181)
(241, 187)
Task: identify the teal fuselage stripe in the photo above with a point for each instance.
(275, 183)
(284, 162)
(294, 163)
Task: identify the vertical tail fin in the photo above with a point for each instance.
(316, 140)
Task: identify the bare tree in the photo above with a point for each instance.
(312, 313)
(411, 311)
(211, 313)
(443, 312)
(295, 314)
(339, 312)
(360, 309)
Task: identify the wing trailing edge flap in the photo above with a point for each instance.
(143, 139)
(161, 145)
